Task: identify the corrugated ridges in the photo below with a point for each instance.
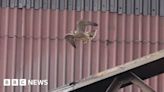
(145, 7)
(32, 46)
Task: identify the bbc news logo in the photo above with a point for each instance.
(23, 82)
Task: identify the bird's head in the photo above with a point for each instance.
(92, 34)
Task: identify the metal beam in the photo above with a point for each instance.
(128, 78)
(102, 81)
(115, 85)
(139, 82)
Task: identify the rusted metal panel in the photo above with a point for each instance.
(129, 43)
(112, 31)
(32, 45)
(28, 47)
(53, 46)
(3, 44)
(36, 47)
(120, 39)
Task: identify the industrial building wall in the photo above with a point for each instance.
(32, 46)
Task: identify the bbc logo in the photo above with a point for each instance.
(23, 82)
(14, 82)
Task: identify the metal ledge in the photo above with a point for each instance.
(145, 67)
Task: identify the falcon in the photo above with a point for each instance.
(80, 34)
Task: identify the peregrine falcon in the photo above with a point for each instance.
(80, 34)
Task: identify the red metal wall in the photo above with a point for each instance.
(32, 46)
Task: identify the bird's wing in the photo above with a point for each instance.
(81, 26)
(70, 38)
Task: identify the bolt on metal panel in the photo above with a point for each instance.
(146, 7)
(161, 8)
(62, 4)
(28, 4)
(138, 8)
(87, 5)
(113, 5)
(129, 6)
(121, 6)
(104, 5)
(154, 7)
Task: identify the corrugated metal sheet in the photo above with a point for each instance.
(32, 46)
(145, 7)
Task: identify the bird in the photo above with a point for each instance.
(81, 34)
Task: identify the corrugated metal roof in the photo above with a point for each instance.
(145, 7)
(32, 46)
